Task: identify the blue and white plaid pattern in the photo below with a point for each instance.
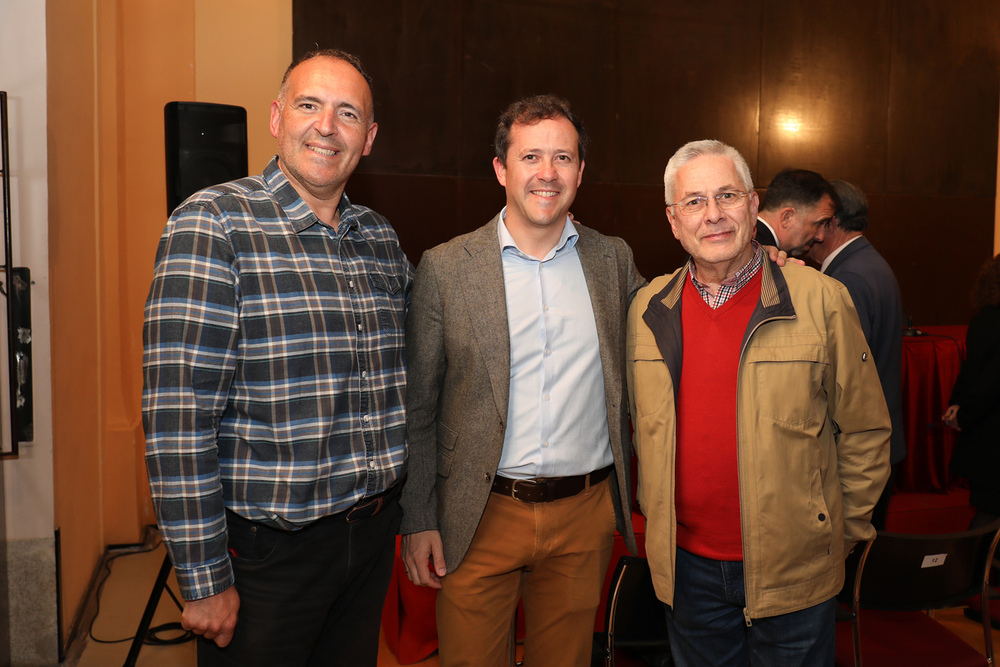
(274, 374)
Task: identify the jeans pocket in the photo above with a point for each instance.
(251, 542)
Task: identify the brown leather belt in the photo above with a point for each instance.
(547, 490)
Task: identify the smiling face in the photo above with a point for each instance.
(542, 173)
(323, 127)
(717, 239)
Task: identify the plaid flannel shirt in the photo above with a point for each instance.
(273, 364)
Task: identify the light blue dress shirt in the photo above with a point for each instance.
(557, 418)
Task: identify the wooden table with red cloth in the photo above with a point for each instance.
(930, 366)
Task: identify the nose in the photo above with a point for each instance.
(547, 170)
(713, 212)
(327, 123)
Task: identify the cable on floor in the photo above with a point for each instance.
(154, 635)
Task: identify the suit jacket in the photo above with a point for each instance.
(764, 235)
(458, 378)
(875, 292)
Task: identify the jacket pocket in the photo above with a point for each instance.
(649, 376)
(789, 382)
(446, 440)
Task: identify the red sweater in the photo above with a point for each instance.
(707, 492)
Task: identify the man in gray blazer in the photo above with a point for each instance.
(516, 415)
(845, 254)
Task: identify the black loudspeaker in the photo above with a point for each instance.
(206, 145)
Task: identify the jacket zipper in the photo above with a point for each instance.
(739, 459)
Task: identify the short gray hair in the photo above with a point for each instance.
(693, 149)
(852, 213)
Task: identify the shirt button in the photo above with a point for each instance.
(548, 353)
(371, 465)
(350, 283)
(366, 419)
(546, 309)
(547, 397)
(545, 444)
(364, 374)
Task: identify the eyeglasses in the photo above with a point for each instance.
(725, 200)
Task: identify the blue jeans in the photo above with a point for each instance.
(707, 627)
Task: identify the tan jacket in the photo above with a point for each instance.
(813, 434)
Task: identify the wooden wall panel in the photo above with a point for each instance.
(412, 52)
(688, 71)
(526, 47)
(899, 97)
(824, 89)
(935, 252)
(944, 98)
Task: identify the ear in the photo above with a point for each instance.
(579, 178)
(754, 207)
(673, 224)
(372, 131)
(275, 118)
(786, 216)
(501, 171)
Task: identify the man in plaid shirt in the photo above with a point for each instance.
(273, 400)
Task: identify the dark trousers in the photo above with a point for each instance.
(707, 627)
(310, 597)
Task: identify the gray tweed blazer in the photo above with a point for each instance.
(458, 378)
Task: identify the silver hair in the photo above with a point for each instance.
(693, 149)
(852, 214)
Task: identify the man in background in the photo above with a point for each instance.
(845, 254)
(274, 388)
(760, 430)
(519, 442)
(796, 210)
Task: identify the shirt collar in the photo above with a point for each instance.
(730, 286)
(567, 239)
(300, 216)
(769, 227)
(829, 258)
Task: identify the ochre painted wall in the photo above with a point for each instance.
(112, 67)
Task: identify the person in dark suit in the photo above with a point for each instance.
(517, 420)
(845, 254)
(796, 210)
(975, 401)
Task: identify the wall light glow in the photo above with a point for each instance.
(791, 125)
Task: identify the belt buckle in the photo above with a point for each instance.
(514, 486)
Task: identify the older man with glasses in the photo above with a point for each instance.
(760, 428)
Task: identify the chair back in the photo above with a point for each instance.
(922, 572)
(635, 617)
(916, 573)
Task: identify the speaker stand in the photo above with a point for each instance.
(147, 615)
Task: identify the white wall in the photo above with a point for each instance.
(28, 479)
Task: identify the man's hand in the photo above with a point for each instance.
(780, 257)
(423, 558)
(950, 417)
(214, 616)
